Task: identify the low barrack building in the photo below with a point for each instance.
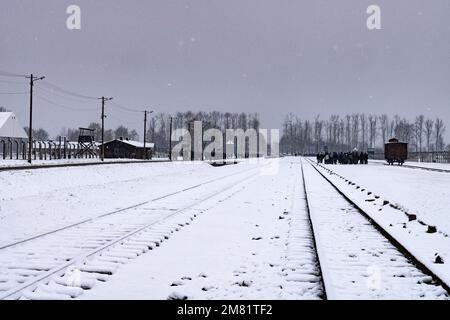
(13, 137)
(127, 149)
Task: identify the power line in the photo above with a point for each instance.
(12, 93)
(124, 122)
(71, 93)
(11, 74)
(13, 82)
(63, 106)
(125, 108)
(49, 91)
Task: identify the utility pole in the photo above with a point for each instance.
(30, 128)
(145, 132)
(103, 126)
(170, 140)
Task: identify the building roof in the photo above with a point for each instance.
(136, 144)
(10, 126)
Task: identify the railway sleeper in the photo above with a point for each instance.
(85, 281)
(115, 254)
(108, 269)
(57, 288)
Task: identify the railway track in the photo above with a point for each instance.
(416, 167)
(78, 164)
(61, 264)
(426, 169)
(302, 270)
(358, 259)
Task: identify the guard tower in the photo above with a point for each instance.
(86, 141)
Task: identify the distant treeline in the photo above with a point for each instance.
(361, 131)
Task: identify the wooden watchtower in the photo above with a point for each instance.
(86, 141)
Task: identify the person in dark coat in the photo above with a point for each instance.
(335, 157)
(355, 157)
(361, 158)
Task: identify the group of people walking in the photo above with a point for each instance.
(353, 157)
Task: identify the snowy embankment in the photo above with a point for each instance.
(254, 243)
(37, 201)
(403, 204)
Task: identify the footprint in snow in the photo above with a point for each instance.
(207, 288)
(177, 283)
(177, 296)
(186, 278)
(203, 275)
(244, 283)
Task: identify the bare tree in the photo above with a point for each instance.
(384, 124)
(428, 132)
(348, 135)
(318, 127)
(372, 130)
(355, 130)
(363, 121)
(439, 129)
(418, 130)
(341, 134)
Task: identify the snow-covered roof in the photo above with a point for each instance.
(10, 126)
(136, 144)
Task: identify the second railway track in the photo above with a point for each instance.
(357, 260)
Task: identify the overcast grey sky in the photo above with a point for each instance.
(271, 57)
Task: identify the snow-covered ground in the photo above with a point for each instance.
(240, 231)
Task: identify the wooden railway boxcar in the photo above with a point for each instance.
(395, 151)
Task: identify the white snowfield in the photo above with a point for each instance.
(188, 230)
